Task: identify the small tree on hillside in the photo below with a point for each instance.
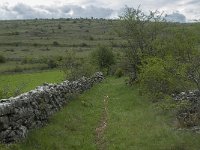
(103, 57)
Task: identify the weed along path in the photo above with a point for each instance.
(122, 121)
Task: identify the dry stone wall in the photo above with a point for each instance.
(31, 110)
(189, 117)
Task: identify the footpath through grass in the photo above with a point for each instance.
(130, 123)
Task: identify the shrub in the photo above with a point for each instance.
(83, 44)
(2, 59)
(52, 63)
(103, 57)
(158, 77)
(55, 43)
(91, 38)
(59, 26)
(119, 73)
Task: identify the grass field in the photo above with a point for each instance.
(132, 123)
(37, 39)
(27, 81)
(46, 38)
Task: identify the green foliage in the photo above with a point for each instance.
(2, 59)
(103, 57)
(168, 104)
(59, 26)
(83, 45)
(119, 72)
(160, 77)
(52, 63)
(178, 43)
(139, 30)
(55, 43)
(163, 56)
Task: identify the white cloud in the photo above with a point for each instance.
(176, 17)
(96, 8)
(23, 11)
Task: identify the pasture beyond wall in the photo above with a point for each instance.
(31, 110)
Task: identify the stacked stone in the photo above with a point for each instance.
(189, 116)
(192, 96)
(31, 110)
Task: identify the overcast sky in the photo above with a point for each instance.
(178, 10)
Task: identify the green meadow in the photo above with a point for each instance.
(14, 84)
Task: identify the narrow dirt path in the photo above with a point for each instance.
(99, 139)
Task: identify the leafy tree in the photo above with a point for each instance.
(103, 57)
(140, 31)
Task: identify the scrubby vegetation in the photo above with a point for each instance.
(161, 57)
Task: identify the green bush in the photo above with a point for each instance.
(119, 73)
(2, 59)
(55, 43)
(91, 38)
(103, 57)
(52, 63)
(83, 44)
(159, 77)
